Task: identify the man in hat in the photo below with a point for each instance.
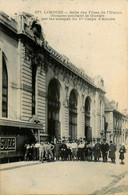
(112, 150)
(63, 149)
(97, 151)
(104, 149)
(81, 149)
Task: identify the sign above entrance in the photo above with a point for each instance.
(7, 144)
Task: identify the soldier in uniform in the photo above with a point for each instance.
(97, 150)
(112, 150)
(57, 150)
(63, 150)
(104, 149)
(49, 147)
(81, 150)
(41, 152)
(89, 151)
(74, 149)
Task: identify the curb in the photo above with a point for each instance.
(106, 189)
(20, 166)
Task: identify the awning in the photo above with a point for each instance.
(21, 124)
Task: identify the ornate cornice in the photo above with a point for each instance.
(65, 62)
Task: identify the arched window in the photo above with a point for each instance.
(88, 129)
(53, 91)
(4, 88)
(53, 109)
(73, 115)
(87, 105)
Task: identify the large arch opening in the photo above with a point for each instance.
(53, 109)
(73, 115)
(88, 129)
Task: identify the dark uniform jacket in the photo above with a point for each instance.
(96, 149)
(104, 147)
(112, 149)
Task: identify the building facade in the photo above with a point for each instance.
(43, 95)
(117, 123)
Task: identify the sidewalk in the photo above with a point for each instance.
(20, 164)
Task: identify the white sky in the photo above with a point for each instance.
(98, 47)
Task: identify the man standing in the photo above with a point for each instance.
(96, 150)
(69, 153)
(74, 149)
(41, 152)
(37, 145)
(63, 149)
(81, 148)
(49, 147)
(104, 149)
(112, 150)
(57, 150)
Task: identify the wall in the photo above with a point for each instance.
(9, 46)
(65, 90)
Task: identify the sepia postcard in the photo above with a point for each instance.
(64, 97)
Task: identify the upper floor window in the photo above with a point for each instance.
(4, 88)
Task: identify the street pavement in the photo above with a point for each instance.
(73, 177)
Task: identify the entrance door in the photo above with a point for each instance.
(53, 129)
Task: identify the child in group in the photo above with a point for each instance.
(122, 150)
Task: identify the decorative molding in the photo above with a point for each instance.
(66, 103)
(56, 71)
(66, 81)
(67, 90)
(14, 85)
(82, 109)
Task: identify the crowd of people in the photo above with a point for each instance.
(73, 150)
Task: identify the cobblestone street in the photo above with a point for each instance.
(64, 178)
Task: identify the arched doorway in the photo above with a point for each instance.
(53, 109)
(73, 115)
(88, 129)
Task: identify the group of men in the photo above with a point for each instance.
(71, 150)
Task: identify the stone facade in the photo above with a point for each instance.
(46, 92)
(117, 128)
